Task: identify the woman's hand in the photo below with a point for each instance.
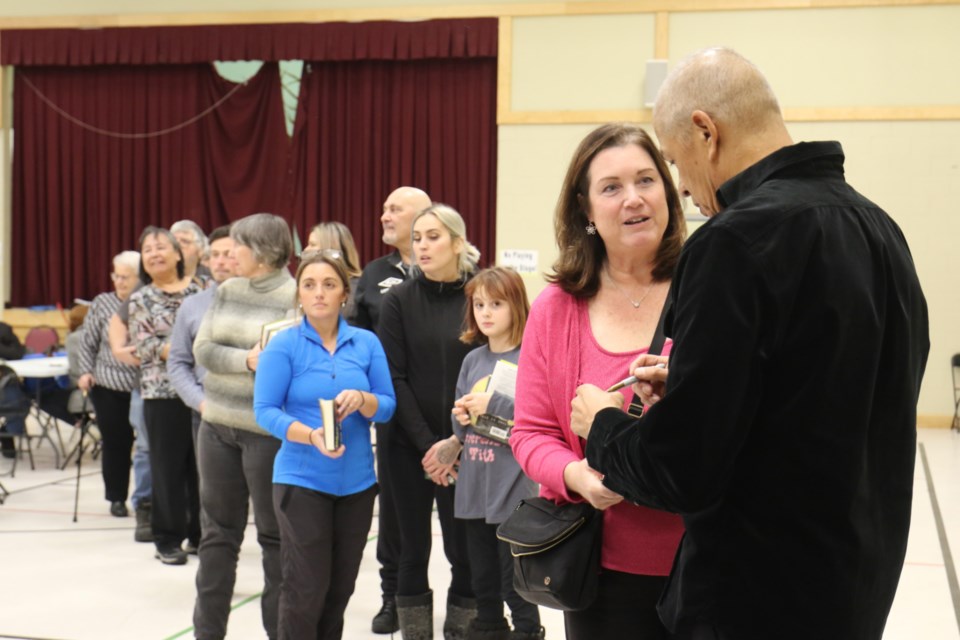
(165, 352)
(589, 401)
(86, 382)
(253, 357)
(476, 403)
(460, 413)
(127, 356)
(440, 460)
(581, 479)
(316, 439)
(651, 373)
(348, 401)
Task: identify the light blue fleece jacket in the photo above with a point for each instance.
(295, 371)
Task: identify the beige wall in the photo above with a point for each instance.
(857, 75)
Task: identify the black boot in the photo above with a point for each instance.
(386, 619)
(415, 614)
(144, 530)
(480, 630)
(460, 611)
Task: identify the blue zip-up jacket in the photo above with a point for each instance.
(294, 372)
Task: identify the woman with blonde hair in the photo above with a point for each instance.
(420, 326)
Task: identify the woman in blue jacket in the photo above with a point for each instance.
(323, 498)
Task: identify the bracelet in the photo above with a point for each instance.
(363, 400)
(310, 437)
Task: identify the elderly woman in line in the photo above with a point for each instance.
(336, 236)
(175, 514)
(109, 382)
(323, 496)
(420, 325)
(619, 227)
(234, 454)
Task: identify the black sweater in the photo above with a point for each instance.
(420, 324)
(787, 435)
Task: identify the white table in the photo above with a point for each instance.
(42, 368)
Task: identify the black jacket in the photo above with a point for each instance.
(420, 325)
(787, 435)
(378, 277)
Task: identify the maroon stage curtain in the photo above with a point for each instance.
(382, 104)
(329, 41)
(80, 196)
(365, 128)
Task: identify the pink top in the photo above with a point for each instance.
(559, 352)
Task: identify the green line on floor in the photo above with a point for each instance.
(248, 600)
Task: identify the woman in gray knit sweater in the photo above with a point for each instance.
(234, 455)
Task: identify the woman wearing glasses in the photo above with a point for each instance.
(109, 382)
(336, 238)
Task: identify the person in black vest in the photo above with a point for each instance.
(784, 429)
(378, 277)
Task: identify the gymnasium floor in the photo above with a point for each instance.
(90, 581)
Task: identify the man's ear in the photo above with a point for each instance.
(705, 133)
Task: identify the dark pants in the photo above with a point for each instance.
(176, 501)
(322, 540)
(113, 419)
(626, 607)
(413, 497)
(388, 537)
(702, 632)
(235, 466)
(492, 568)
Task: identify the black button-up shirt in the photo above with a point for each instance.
(786, 438)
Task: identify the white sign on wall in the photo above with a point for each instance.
(523, 260)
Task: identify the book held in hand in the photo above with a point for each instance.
(331, 425)
(271, 329)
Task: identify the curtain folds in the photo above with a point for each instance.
(365, 128)
(81, 196)
(124, 139)
(377, 40)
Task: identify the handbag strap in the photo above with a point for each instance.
(656, 347)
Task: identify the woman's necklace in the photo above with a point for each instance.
(636, 303)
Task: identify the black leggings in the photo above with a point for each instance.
(113, 419)
(176, 500)
(492, 567)
(626, 607)
(413, 496)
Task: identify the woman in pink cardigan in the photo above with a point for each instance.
(619, 226)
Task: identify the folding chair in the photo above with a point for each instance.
(955, 365)
(42, 339)
(14, 407)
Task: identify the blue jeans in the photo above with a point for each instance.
(235, 466)
(142, 481)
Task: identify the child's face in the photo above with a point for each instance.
(492, 315)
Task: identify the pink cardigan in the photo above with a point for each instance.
(558, 348)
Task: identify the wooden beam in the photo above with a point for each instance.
(504, 68)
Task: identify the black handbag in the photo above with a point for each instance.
(556, 548)
(556, 552)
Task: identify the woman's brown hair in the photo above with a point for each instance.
(577, 270)
(497, 283)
